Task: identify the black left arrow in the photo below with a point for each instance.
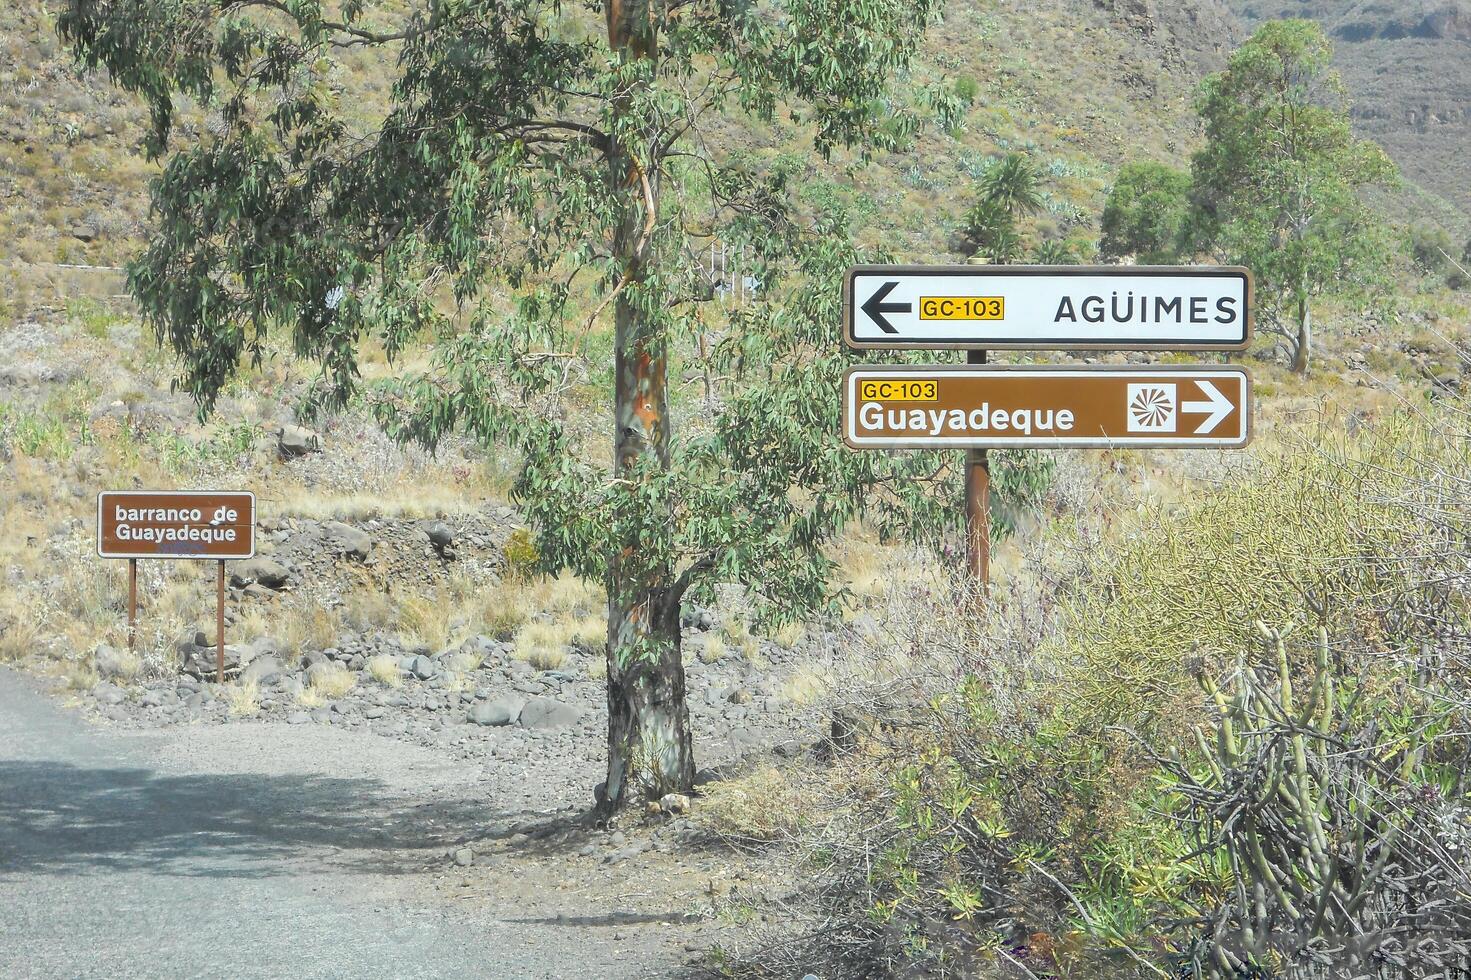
(875, 307)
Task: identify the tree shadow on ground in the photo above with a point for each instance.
(61, 818)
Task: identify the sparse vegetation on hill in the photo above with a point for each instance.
(1108, 771)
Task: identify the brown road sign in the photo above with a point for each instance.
(211, 524)
(1069, 307)
(1001, 405)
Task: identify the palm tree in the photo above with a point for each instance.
(1054, 252)
(1014, 185)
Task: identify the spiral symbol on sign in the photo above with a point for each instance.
(1151, 408)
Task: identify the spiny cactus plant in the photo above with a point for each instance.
(1343, 862)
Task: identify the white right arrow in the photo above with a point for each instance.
(1217, 408)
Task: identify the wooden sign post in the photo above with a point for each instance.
(209, 524)
(978, 406)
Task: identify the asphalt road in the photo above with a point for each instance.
(251, 851)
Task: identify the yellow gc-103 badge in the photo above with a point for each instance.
(899, 390)
(962, 307)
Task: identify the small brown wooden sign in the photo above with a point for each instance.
(207, 524)
(984, 406)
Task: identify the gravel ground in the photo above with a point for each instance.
(268, 850)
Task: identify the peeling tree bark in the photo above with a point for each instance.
(650, 746)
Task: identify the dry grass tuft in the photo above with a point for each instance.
(242, 699)
(805, 686)
(765, 805)
(425, 619)
(543, 645)
(385, 670)
(82, 677)
(367, 609)
(332, 683)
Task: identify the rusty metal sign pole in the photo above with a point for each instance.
(978, 505)
(220, 624)
(132, 604)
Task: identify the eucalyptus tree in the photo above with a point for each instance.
(1279, 181)
(532, 169)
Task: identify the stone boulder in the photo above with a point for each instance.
(114, 664)
(296, 440)
(548, 713)
(260, 569)
(344, 539)
(504, 710)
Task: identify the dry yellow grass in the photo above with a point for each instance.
(790, 635)
(82, 677)
(543, 645)
(309, 697)
(242, 699)
(805, 686)
(425, 619)
(713, 649)
(463, 661)
(332, 683)
(366, 609)
(767, 804)
(385, 670)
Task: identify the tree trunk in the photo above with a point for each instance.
(650, 747)
(1303, 351)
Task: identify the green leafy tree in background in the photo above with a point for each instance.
(1278, 182)
(545, 165)
(1147, 214)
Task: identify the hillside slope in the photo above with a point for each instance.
(1407, 65)
(1081, 85)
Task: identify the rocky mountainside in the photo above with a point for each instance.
(1079, 85)
(1407, 64)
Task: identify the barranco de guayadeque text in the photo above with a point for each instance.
(164, 524)
(1126, 308)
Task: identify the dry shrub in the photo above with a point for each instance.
(242, 699)
(332, 683)
(543, 645)
(425, 619)
(367, 609)
(768, 804)
(1315, 525)
(384, 669)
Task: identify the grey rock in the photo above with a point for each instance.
(313, 657)
(674, 803)
(298, 718)
(109, 694)
(504, 710)
(321, 714)
(546, 713)
(344, 539)
(440, 535)
(422, 667)
(373, 714)
(262, 670)
(152, 699)
(266, 571)
(112, 663)
(464, 857)
(296, 440)
(201, 661)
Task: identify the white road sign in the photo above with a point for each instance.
(1048, 307)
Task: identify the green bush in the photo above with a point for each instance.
(967, 89)
(1147, 214)
(1047, 809)
(1431, 248)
